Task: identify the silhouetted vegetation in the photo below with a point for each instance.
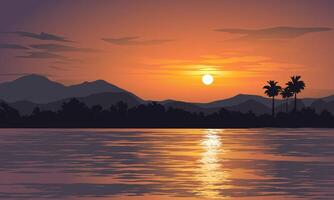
(294, 87)
(74, 114)
(272, 90)
(286, 93)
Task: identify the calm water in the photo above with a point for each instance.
(160, 164)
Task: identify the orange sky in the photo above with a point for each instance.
(177, 43)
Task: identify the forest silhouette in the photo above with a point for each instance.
(76, 114)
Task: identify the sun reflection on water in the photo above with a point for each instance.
(211, 173)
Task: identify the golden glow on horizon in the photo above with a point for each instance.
(207, 79)
(181, 46)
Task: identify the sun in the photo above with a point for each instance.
(207, 79)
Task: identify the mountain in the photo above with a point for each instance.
(33, 88)
(328, 98)
(94, 87)
(291, 103)
(245, 103)
(306, 101)
(104, 99)
(239, 99)
(250, 105)
(321, 105)
(244, 107)
(190, 107)
(39, 89)
(32, 91)
(310, 101)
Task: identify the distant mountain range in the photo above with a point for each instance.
(28, 92)
(39, 89)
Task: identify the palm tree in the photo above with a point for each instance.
(272, 90)
(286, 94)
(295, 86)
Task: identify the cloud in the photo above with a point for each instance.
(134, 41)
(64, 62)
(226, 66)
(23, 74)
(12, 46)
(274, 33)
(58, 68)
(14, 74)
(41, 36)
(42, 55)
(61, 48)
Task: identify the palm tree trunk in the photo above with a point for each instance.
(295, 109)
(273, 107)
(287, 105)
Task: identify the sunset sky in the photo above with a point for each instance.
(160, 49)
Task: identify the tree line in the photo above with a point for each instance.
(75, 114)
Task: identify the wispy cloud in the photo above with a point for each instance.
(42, 55)
(23, 74)
(274, 33)
(58, 68)
(40, 36)
(67, 61)
(61, 48)
(14, 74)
(227, 66)
(13, 46)
(135, 41)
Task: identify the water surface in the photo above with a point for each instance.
(166, 164)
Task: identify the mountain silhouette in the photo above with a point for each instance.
(301, 103)
(309, 101)
(33, 88)
(250, 106)
(321, 105)
(187, 106)
(88, 88)
(39, 89)
(243, 107)
(241, 98)
(105, 100)
(32, 91)
(328, 98)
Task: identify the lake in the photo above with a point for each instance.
(166, 164)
